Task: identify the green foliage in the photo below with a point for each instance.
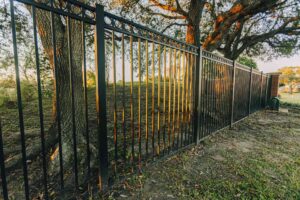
(8, 93)
(29, 91)
(245, 60)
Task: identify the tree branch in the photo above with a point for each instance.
(177, 10)
(237, 12)
(172, 24)
(160, 14)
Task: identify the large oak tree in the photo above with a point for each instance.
(255, 27)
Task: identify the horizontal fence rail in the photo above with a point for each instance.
(124, 95)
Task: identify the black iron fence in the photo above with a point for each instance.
(151, 96)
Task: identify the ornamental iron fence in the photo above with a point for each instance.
(150, 95)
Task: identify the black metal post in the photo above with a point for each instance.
(197, 93)
(250, 91)
(101, 98)
(232, 94)
(40, 102)
(19, 98)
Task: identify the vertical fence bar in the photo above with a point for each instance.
(232, 93)
(170, 94)
(197, 95)
(218, 97)
(211, 95)
(183, 97)
(174, 100)
(250, 91)
(40, 102)
(223, 104)
(115, 99)
(187, 97)
(147, 85)
(2, 166)
(214, 95)
(209, 70)
(201, 95)
(101, 98)
(165, 96)
(204, 103)
(153, 99)
(139, 106)
(158, 100)
(178, 102)
(123, 99)
(191, 98)
(131, 100)
(57, 92)
(209, 67)
(19, 99)
(70, 57)
(195, 92)
(85, 95)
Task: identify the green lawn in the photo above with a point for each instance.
(290, 98)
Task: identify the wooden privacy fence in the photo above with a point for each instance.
(153, 95)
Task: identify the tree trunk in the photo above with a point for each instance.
(194, 18)
(64, 91)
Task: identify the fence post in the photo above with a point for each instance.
(250, 91)
(261, 90)
(197, 96)
(101, 97)
(233, 93)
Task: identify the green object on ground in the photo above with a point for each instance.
(274, 103)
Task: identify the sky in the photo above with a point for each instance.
(274, 65)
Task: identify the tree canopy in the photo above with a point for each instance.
(266, 28)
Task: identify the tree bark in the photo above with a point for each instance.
(64, 91)
(194, 18)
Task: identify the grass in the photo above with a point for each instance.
(257, 159)
(290, 98)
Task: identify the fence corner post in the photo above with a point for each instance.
(232, 93)
(197, 97)
(101, 97)
(250, 91)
